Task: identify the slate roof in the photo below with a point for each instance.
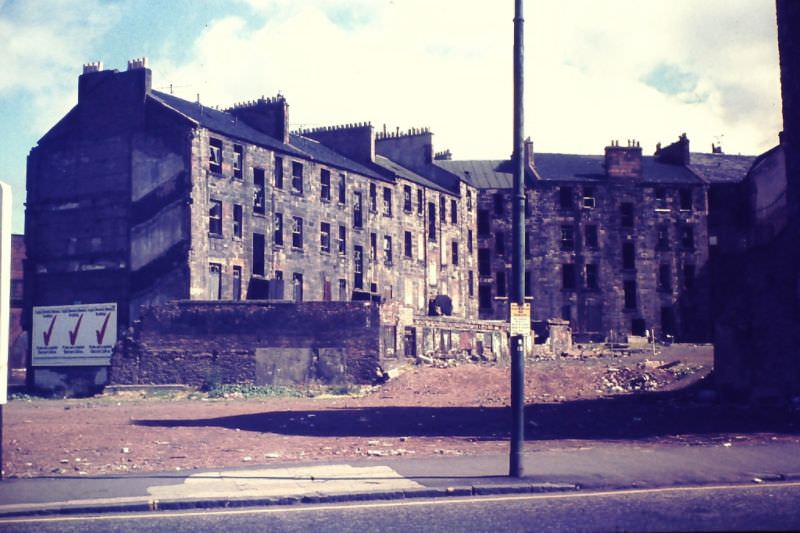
(403, 172)
(498, 174)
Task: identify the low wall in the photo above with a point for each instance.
(265, 343)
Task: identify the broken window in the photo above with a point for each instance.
(664, 278)
(471, 283)
(661, 199)
(278, 172)
(500, 243)
(484, 223)
(567, 238)
(431, 221)
(629, 287)
(663, 238)
(259, 192)
(686, 199)
(407, 198)
(687, 237)
(565, 200)
(297, 232)
(454, 252)
(453, 212)
(325, 237)
(499, 204)
(238, 160)
(442, 209)
(484, 262)
(215, 218)
(214, 281)
(297, 287)
(626, 214)
(215, 155)
(387, 201)
(342, 187)
(420, 202)
(237, 221)
(387, 249)
(325, 185)
(628, 256)
(237, 283)
(407, 240)
(591, 276)
(568, 276)
(485, 296)
(588, 198)
(373, 247)
(373, 197)
(590, 236)
(358, 267)
(297, 177)
(470, 238)
(342, 240)
(469, 200)
(501, 283)
(358, 219)
(258, 254)
(277, 229)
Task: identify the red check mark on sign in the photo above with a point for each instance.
(49, 333)
(73, 335)
(102, 331)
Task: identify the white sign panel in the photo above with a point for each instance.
(5, 285)
(74, 335)
(520, 319)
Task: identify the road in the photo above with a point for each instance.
(723, 508)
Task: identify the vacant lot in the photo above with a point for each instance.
(460, 409)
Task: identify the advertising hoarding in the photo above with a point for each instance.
(74, 335)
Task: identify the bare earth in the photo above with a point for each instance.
(458, 410)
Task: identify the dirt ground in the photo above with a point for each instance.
(457, 410)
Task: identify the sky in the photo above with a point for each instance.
(595, 71)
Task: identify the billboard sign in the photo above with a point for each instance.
(74, 335)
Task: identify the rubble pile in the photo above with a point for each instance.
(647, 375)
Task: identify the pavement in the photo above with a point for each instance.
(595, 466)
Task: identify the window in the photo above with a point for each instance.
(471, 283)
(387, 249)
(342, 240)
(565, 200)
(567, 238)
(442, 209)
(664, 278)
(661, 199)
(420, 202)
(485, 296)
(407, 198)
(297, 177)
(237, 221)
(469, 200)
(373, 247)
(663, 238)
(324, 237)
(500, 243)
(630, 293)
(590, 270)
(297, 287)
(387, 201)
(432, 221)
(358, 219)
(342, 290)
(499, 204)
(407, 240)
(358, 267)
(297, 232)
(528, 283)
(237, 283)
(215, 155)
(214, 281)
(373, 197)
(686, 199)
(588, 198)
(566, 312)
(501, 283)
(258, 254)
(453, 212)
(278, 174)
(568, 276)
(590, 236)
(484, 262)
(484, 223)
(454, 253)
(628, 256)
(470, 238)
(238, 159)
(215, 217)
(277, 230)
(626, 214)
(688, 276)
(259, 191)
(342, 187)
(325, 185)
(687, 237)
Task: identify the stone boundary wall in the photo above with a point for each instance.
(447, 337)
(266, 343)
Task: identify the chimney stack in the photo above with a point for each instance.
(624, 161)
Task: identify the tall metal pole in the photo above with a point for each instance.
(518, 262)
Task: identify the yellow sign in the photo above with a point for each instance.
(520, 320)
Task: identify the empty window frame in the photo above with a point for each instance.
(325, 185)
(470, 239)
(259, 192)
(688, 276)
(342, 189)
(453, 212)
(590, 236)
(214, 281)
(373, 247)
(420, 201)
(589, 201)
(358, 217)
(297, 287)
(565, 198)
(628, 256)
(325, 237)
(484, 223)
(238, 160)
(215, 217)
(500, 243)
(278, 172)
(237, 283)
(297, 232)
(484, 262)
(373, 197)
(662, 242)
(499, 204)
(568, 276)
(407, 244)
(387, 249)
(277, 229)
(342, 290)
(215, 155)
(567, 238)
(442, 209)
(500, 283)
(387, 201)
(629, 288)
(454, 252)
(407, 198)
(661, 199)
(664, 278)
(237, 221)
(591, 275)
(687, 237)
(626, 214)
(342, 242)
(469, 200)
(431, 221)
(258, 254)
(297, 177)
(685, 199)
(485, 296)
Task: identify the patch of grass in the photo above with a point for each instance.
(255, 391)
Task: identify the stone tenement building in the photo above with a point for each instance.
(139, 197)
(616, 242)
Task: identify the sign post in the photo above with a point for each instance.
(5, 300)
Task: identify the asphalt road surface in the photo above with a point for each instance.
(771, 507)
